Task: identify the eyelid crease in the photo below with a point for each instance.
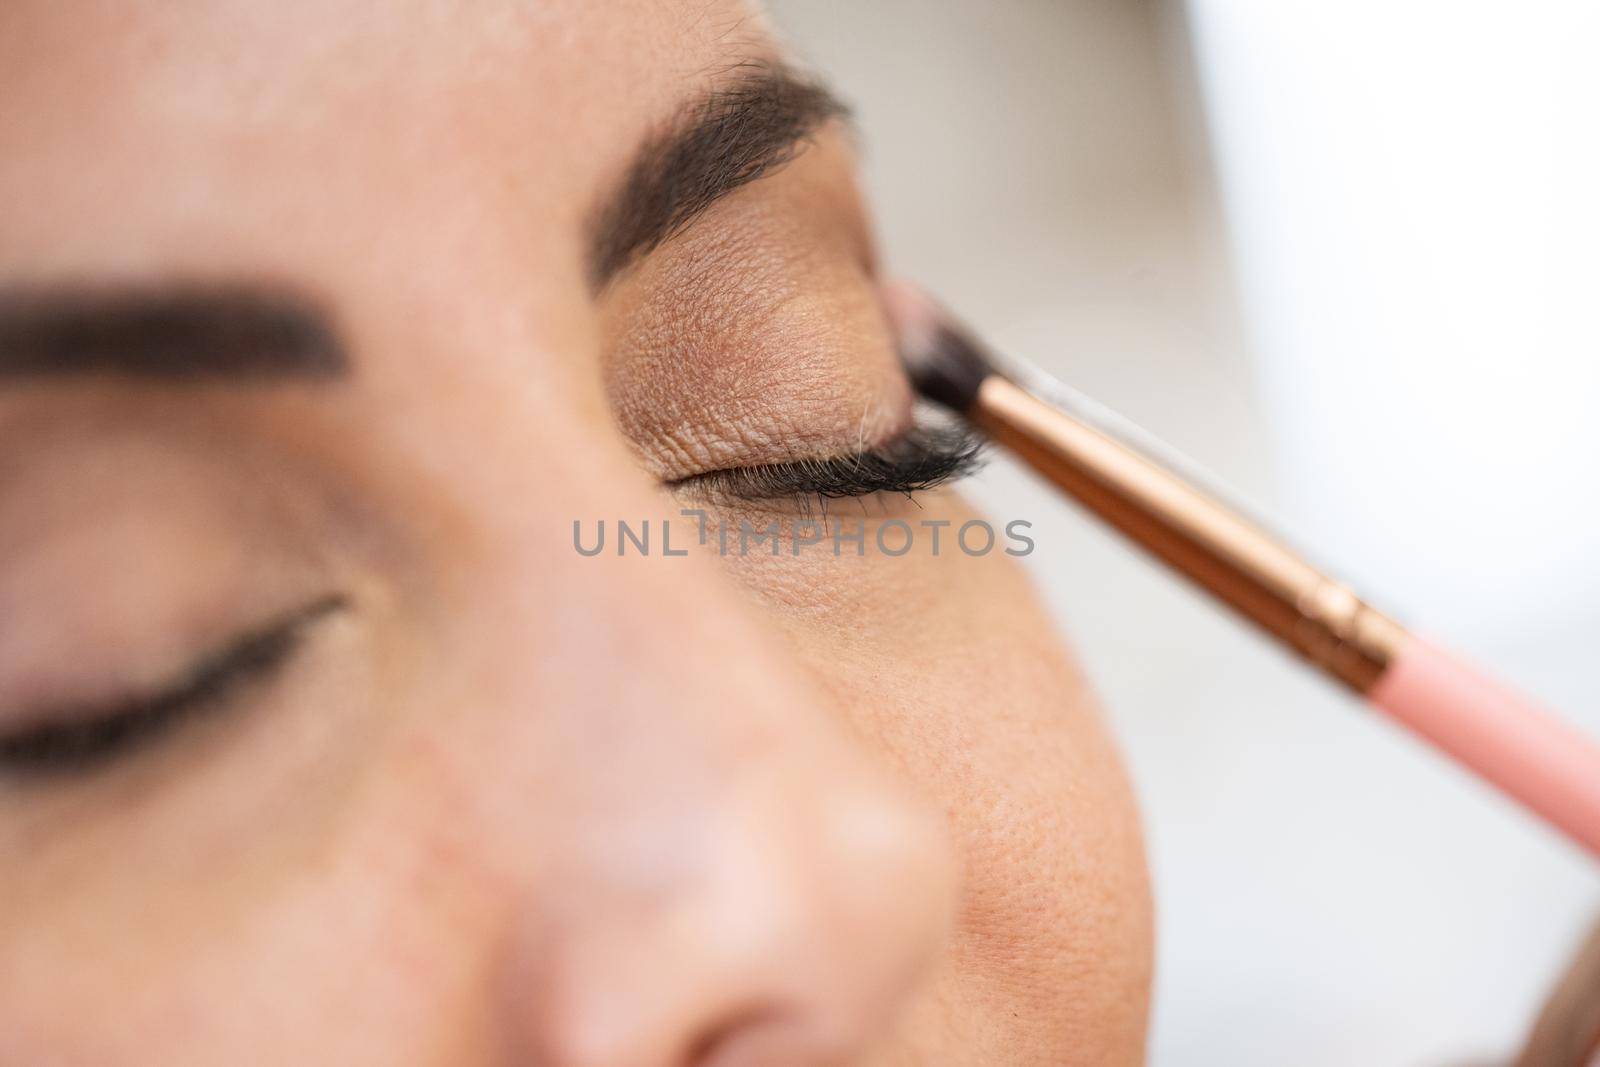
(922, 458)
(79, 738)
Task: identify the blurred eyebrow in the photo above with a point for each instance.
(736, 134)
(172, 335)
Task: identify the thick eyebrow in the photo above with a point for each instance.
(170, 335)
(736, 134)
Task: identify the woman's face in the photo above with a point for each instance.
(322, 327)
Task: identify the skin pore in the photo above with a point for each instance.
(472, 796)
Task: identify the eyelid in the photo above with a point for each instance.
(76, 739)
(923, 458)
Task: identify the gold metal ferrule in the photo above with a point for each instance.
(1239, 563)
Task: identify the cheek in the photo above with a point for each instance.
(950, 670)
(340, 931)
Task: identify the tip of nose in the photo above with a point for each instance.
(794, 933)
(810, 976)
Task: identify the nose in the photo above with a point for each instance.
(735, 879)
(786, 929)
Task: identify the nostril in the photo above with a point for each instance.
(762, 1037)
(718, 1037)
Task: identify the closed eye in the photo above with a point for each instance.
(920, 459)
(75, 739)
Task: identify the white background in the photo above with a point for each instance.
(1345, 256)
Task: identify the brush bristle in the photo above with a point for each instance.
(948, 370)
(945, 365)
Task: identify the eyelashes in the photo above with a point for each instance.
(81, 740)
(922, 458)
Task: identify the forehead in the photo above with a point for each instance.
(235, 135)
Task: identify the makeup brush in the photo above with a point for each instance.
(1543, 763)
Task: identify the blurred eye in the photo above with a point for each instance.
(63, 740)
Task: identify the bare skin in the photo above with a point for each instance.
(502, 801)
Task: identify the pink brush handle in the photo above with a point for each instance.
(1507, 739)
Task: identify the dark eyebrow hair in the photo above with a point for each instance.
(167, 334)
(736, 134)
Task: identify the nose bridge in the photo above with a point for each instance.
(723, 869)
